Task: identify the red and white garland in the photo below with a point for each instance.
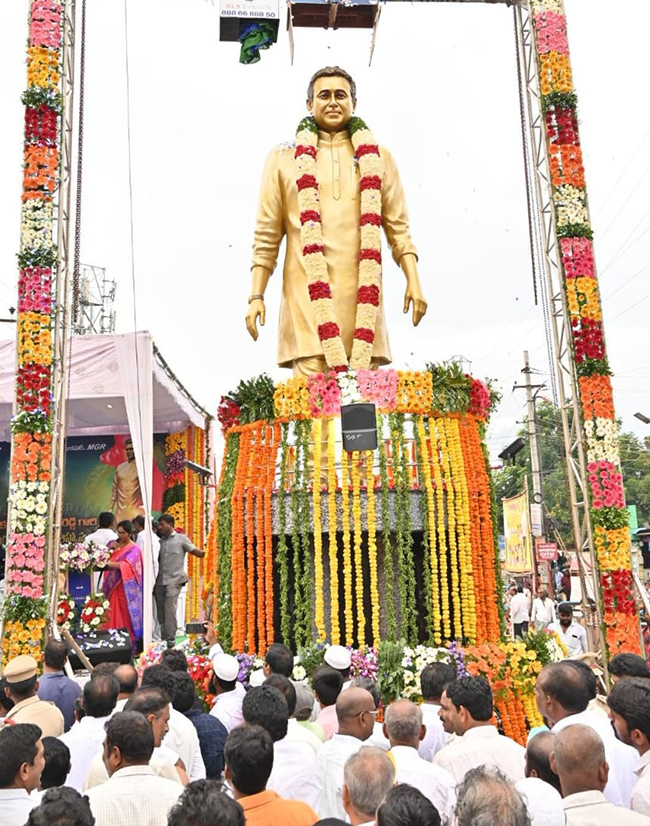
(313, 247)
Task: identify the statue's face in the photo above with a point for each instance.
(332, 106)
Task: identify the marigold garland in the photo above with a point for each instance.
(358, 564)
(319, 579)
(372, 548)
(347, 557)
(436, 617)
(335, 633)
(441, 528)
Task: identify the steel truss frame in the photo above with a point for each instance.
(61, 325)
(565, 372)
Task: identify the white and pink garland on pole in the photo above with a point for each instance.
(313, 246)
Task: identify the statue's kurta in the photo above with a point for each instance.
(278, 215)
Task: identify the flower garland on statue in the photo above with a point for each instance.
(313, 246)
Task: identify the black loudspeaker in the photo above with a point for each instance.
(359, 425)
(111, 646)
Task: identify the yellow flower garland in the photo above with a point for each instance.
(335, 631)
(451, 523)
(463, 523)
(428, 489)
(372, 548)
(319, 580)
(347, 559)
(440, 522)
(358, 560)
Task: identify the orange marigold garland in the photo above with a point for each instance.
(319, 579)
(335, 631)
(358, 563)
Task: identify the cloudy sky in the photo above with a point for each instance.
(441, 93)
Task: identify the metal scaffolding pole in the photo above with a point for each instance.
(61, 323)
(565, 375)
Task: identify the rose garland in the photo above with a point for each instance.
(573, 229)
(313, 245)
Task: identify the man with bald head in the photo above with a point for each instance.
(578, 758)
(563, 692)
(404, 729)
(127, 677)
(356, 712)
(540, 788)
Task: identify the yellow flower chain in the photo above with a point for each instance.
(319, 583)
(347, 559)
(463, 523)
(335, 631)
(451, 524)
(358, 560)
(372, 548)
(428, 489)
(440, 521)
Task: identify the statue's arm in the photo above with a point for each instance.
(269, 231)
(395, 221)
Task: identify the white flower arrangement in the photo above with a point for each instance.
(349, 386)
(547, 5)
(571, 205)
(29, 507)
(602, 440)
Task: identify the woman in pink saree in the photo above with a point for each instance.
(122, 584)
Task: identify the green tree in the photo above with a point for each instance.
(635, 463)
(509, 481)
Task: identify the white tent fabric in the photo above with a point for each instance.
(115, 386)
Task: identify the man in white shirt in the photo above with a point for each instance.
(153, 705)
(182, 737)
(466, 708)
(541, 786)
(573, 635)
(294, 775)
(519, 613)
(21, 764)
(404, 729)
(579, 760)
(295, 732)
(133, 794)
(433, 679)
(563, 691)
(229, 692)
(86, 738)
(106, 531)
(629, 708)
(356, 713)
(368, 776)
(543, 613)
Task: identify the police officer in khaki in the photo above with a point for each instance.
(21, 686)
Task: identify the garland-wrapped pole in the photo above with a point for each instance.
(606, 516)
(33, 455)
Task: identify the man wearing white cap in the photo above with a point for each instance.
(22, 685)
(229, 691)
(340, 658)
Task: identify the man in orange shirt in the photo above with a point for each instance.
(249, 761)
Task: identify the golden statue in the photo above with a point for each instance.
(332, 221)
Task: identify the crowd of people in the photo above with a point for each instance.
(137, 748)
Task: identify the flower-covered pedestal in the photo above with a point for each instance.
(311, 541)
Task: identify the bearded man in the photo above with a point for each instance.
(330, 194)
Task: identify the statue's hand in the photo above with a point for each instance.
(413, 295)
(256, 309)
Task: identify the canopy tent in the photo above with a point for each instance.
(117, 384)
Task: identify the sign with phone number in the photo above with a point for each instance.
(250, 8)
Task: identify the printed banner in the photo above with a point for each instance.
(519, 557)
(100, 475)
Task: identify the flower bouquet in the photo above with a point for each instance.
(76, 556)
(66, 613)
(94, 613)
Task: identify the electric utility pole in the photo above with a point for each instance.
(535, 455)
